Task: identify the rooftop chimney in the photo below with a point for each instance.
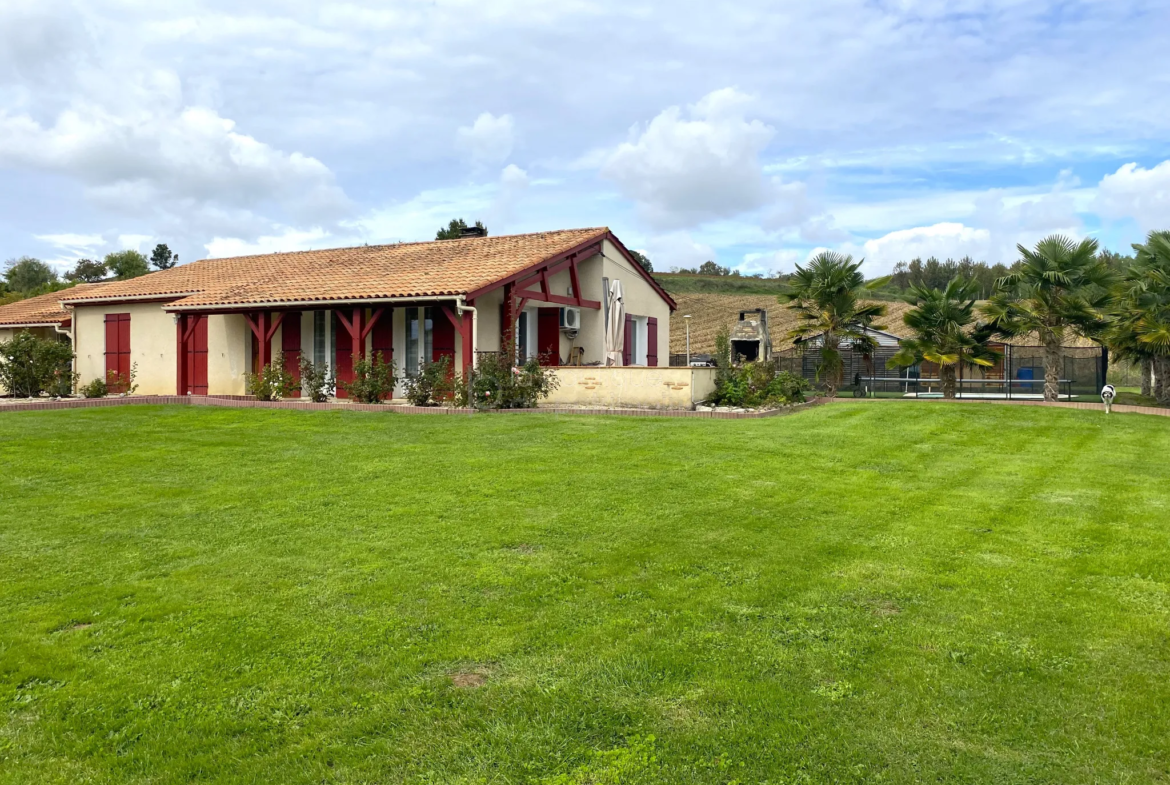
(473, 231)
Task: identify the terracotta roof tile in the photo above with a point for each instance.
(44, 308)
(444, 267)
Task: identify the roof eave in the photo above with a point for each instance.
(130, 298)
(270, 304)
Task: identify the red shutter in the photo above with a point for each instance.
(548, 336)
(111, 345)
(382, 339)
(118, 350)
(652, 341)
(442, 338)
(628, 343)
(197, 357)
(290, 346)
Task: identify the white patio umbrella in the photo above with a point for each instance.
(615, 326)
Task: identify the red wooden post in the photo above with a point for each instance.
(261, 338)
(358, 332)
(508, 328)
(181, 353)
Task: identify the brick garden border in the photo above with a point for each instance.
(247, 402)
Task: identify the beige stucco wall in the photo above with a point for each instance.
(152, 345)
(660, 388)
(153, 348)
(227, 349)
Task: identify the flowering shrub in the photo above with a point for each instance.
(497, 384)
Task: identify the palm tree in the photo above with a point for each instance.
(827, 296)
(941, 320)
(1059, 287)
(1140, 331)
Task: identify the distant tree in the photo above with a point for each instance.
(827, 298)
(27, 274)
(711, 268)
(87, 271)
(642, 260)
(941, 320)
(456, 228)
(127, 264)
(1058, 287)
(163, 258)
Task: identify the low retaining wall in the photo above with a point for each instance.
(657, 388)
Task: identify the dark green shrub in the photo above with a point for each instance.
(272, 383)
(30, 366)
(316, 383)
(435, 384)
(96, 389)
(758, 384)
(373, 380)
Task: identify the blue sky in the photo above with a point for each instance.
(753, 134)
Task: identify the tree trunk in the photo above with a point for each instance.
(947, 374)
(1147, 368)
(1161, 388)
(1052, 363)
(832, 371)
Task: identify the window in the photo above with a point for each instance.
(428, 335)
(420, 338)
(522, 337)
(411, 367)
(333, 341)
(318, 338)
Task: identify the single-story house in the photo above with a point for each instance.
(199, 328)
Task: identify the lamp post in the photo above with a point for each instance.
(687, 319)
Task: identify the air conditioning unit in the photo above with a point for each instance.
(570, 319)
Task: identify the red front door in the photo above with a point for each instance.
(548, 336)
(344, 344)
(290, 346)
(197, 357)
(118, 351)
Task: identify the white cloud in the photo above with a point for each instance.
(1138, 193)
(287, 240)
(154, 149)
(71, 247)
(514, 183)
(943, 240)
(677, 249)
(488, 141)
(687, 168)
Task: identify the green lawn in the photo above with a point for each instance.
(897, 592)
